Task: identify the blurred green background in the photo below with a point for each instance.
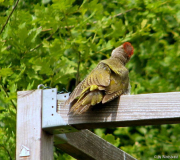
(57, 43)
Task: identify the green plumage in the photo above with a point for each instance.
(106, 82)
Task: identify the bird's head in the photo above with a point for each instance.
(128, 49)
(123, 52)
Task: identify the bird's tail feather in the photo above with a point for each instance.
(89, 99)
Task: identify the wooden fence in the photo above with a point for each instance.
(42, 122)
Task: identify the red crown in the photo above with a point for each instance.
(128, 48)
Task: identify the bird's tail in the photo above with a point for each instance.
(87, 100)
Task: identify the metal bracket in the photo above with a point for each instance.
(24, 151)
(52, 122)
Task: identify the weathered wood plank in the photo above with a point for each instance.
(85, 145)
(129, 110)
(32, 142)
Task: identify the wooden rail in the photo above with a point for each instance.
(129, 110)
(85, 145)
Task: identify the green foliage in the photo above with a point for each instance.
(59, 42)
(59, 155)
(108, 137)
(157, 140)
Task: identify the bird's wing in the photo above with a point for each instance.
(118, 85)
(98, 78)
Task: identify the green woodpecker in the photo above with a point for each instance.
(107, 81)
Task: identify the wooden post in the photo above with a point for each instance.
(32, 142)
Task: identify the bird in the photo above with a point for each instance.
(104, 83)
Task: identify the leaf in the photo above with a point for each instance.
(143, 23)
(4, 72)
(22, 32)
(110, 138)
(2, 108)
(30, 86)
